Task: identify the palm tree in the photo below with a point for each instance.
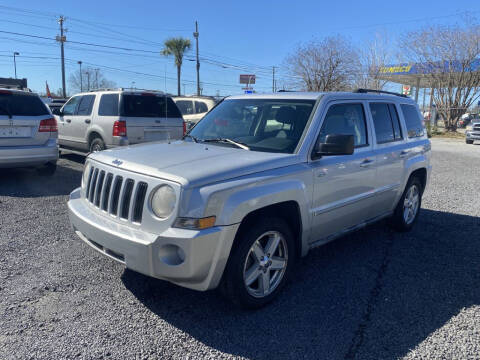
(176, 47)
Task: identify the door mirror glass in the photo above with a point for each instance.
(335, 144)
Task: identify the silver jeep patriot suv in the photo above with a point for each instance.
(256, 184)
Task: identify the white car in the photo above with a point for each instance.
(194, 108)
(28, 132)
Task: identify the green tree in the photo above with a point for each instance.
(177, 47)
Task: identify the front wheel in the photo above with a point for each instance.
(406, 212)
(260, 263)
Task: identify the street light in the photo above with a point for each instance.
(81, 77)
(15, 62)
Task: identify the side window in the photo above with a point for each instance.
(71, 106)
(345, 119)
(397, 129)
(412, 120)
(200, 107)
(86, 104)
(185, 106)
(108, 105)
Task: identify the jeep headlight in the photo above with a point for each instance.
(163, 201)
(469, 127)
(86, 172)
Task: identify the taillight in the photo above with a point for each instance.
(48, 125)
(184, 128)
(119, 128)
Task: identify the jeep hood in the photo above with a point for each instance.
(192, 164)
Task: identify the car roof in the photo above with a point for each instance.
(341, 95)
(25, 92)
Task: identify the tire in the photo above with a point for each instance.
(244, 257)
(97, 144)
(470, 142)
(408, 207)
(48, 169)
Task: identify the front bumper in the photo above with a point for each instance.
(472, 135)
(189, 258)
(25, 156)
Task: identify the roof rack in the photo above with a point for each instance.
(364, 91)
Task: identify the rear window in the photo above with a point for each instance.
(412, 120)
(21, 105)
(149, 106)
(108, 105)
(185, 106)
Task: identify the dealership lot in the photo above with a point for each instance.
(372, 294)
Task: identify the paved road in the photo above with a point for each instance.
(374, 294)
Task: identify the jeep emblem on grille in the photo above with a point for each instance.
(117, 162)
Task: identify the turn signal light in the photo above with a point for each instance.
(119, 128)
(195, 224)
(48, 125)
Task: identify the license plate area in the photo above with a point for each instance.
(155, 134)
(15, 131)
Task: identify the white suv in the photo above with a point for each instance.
(28, 132)
(99, 120)
(256, 184)
(194, 108)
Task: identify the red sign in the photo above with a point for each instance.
(247, 79)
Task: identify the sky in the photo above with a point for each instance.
(241, 37)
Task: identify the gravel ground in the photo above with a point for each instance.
(374, 294)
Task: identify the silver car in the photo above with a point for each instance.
(472, 132)
(28, 132)
(256, 184)
(99, 120)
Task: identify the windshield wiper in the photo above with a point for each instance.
(4, 109)
(191, 137)
(230, 141)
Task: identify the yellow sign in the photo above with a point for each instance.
(395, 69)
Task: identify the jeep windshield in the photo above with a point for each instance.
(269, 125)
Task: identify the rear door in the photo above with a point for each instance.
(150, 117)
(20, 116)
(390, 151)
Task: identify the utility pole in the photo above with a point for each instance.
(81, 76)
(15, 53)
(273, 78)
(62, 38)
(195, 35)
(88, 80)
(96, 78)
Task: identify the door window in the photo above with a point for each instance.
(185, 107)
(71, 106)
(108, 105)
(412, 120)
(200, 107)
(85, 105)
(346, 119)
(385, 120)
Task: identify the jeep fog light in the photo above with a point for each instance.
(195, 224)
(163, 201)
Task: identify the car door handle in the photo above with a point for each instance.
(404, 153)
(68, 120)
(88, 121)
(366, 163)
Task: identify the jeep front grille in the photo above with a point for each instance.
(122, 198)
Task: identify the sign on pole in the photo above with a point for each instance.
(407, 90)
(248, 79)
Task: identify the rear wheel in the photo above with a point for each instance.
(48, 169)
(469, 142)
(97, 144)
(406, 212)
(260, 263)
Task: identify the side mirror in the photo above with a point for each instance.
(335, 144)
